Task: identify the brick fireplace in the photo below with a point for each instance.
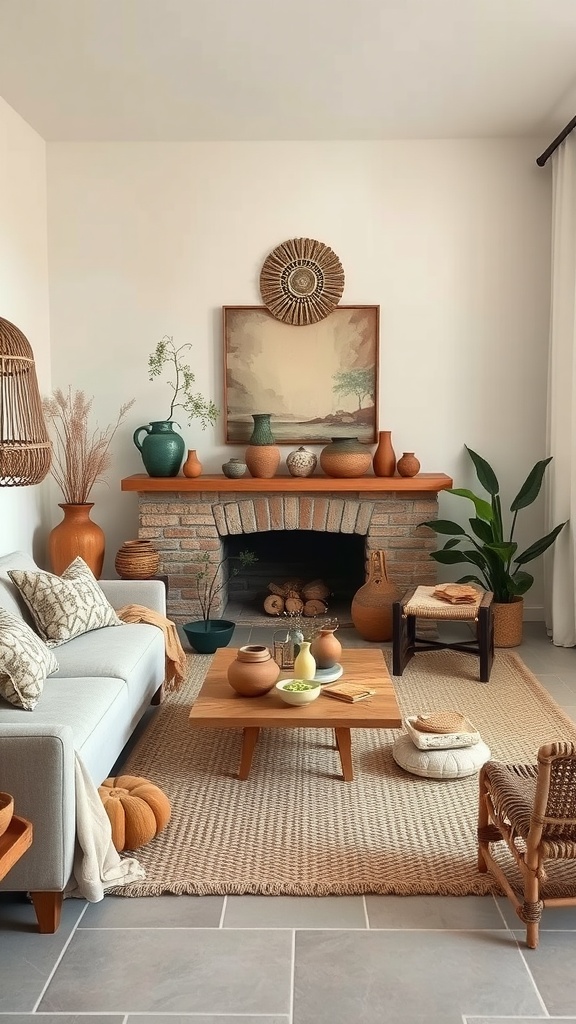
(184, 517)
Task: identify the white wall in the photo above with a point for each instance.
(24, 300)
(451, 238)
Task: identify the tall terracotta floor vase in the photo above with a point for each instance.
(76, 535)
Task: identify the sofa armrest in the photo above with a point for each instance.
(150, 593)
(37, 768)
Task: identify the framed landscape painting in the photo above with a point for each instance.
(317, 381)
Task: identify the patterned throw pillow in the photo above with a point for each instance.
(25, 661)
(65, 606)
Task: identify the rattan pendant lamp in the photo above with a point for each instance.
(25, 448)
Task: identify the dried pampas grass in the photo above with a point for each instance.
(81, 455)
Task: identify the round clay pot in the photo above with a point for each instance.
(345, 457)
(234, 468)
(301, 462)
(137, 560)
(326, 649)
(262, 460)
(408, 465)
(254, 672)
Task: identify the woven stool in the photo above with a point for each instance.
(419, 603)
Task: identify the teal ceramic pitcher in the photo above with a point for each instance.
(162, 449)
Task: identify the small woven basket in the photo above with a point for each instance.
(137, 560)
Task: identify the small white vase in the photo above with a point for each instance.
(304, 664)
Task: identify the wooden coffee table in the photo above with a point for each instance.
(218, 706)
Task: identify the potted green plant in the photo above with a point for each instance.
(163, 448)
(491, 548)
(207, 634)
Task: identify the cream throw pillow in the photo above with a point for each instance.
(65, 606)
(25, 661)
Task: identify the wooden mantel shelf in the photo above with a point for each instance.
(423, 482)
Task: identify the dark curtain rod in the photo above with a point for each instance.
(541, 160)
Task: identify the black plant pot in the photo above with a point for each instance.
(207, 635)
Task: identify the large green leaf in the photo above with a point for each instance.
(449, 557)
(531, 487)
(451, 543)
(473, 579)
(519, 583)
(484, 472)
(482, 530)
(476, 557)
(497, 527)
(483, 508)
(539, 546)
(505, 551)
(445, 526)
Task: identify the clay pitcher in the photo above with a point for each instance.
(372, 605)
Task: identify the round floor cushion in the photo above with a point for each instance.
(457, 763)
(137, 809)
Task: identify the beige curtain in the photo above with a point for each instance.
(560, 561)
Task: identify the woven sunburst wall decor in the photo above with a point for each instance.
(301, 281)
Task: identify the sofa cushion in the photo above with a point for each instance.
(65, 606)
(116, 653)
(10, 597)
(25, 661)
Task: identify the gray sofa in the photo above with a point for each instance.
(106, 680)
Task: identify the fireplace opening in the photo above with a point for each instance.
(336, 558)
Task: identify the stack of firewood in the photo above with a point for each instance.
(296, 597)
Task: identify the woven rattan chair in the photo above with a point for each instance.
(532, 808)
(418, 603)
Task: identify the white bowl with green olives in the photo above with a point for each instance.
(297, 691)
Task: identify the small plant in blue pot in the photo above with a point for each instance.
(207, 634)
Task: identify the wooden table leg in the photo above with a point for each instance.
(249, 740)
(344, 744)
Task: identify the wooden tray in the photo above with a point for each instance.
(15, 841)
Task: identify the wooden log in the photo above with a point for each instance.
(274, 604)
(294, 605)
(312, 608)
(315, 590)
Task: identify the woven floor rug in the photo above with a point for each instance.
(295, 828)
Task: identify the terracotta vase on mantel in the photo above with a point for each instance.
(192, 466)
(384, 460)
(76, 535)
(262, 454)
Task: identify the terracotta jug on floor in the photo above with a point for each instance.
(372, 605)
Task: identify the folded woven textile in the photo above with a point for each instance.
(442, 722)
(175, 656)
(456, 593)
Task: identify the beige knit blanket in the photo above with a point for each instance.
(175, 656)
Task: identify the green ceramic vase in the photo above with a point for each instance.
(162, 449)
(262, 432)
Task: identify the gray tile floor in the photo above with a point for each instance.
(282, 960)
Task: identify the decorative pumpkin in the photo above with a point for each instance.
(138, 810)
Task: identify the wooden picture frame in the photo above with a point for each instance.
(317, 381)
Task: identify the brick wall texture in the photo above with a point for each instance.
(185, 528)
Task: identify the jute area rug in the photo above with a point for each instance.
(295, 828)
